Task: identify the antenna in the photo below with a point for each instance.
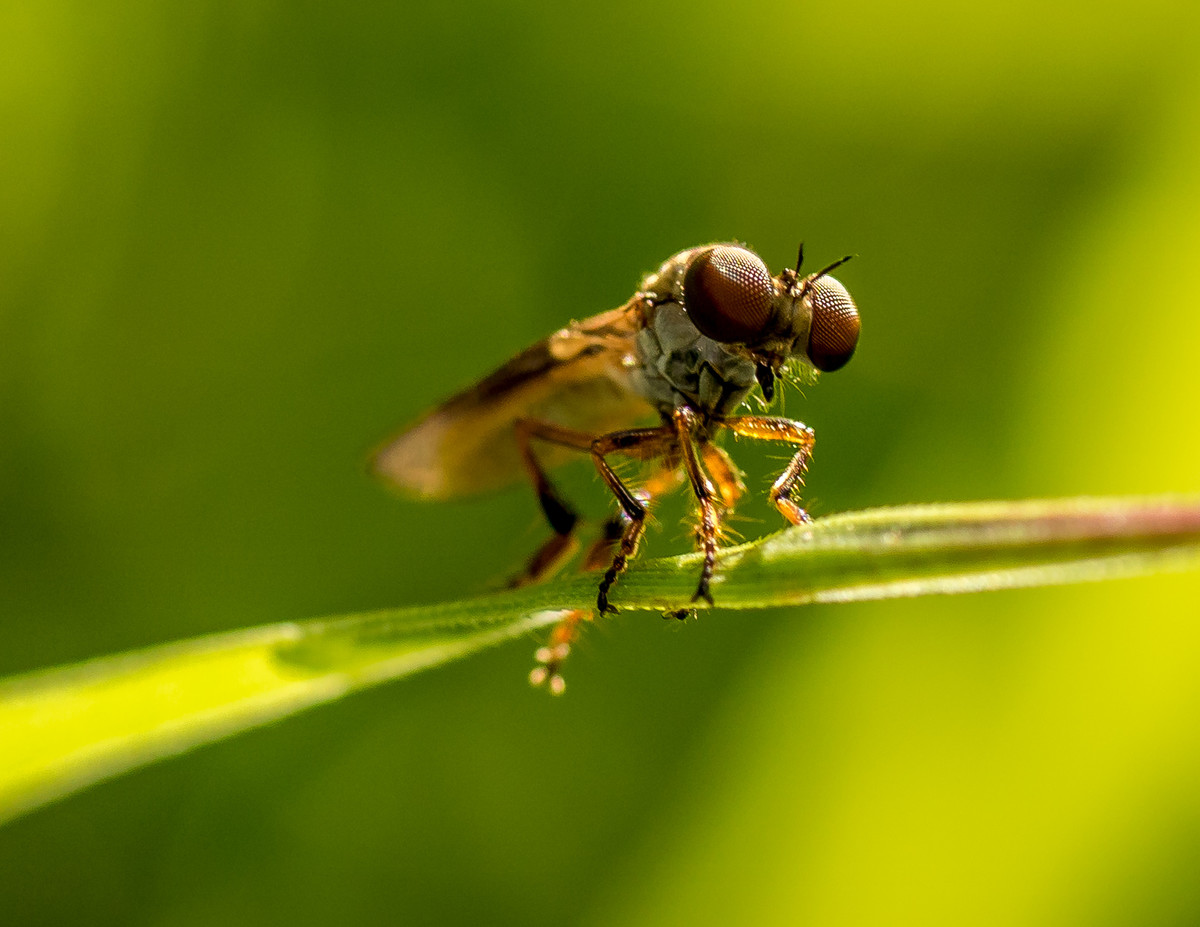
(838, 263)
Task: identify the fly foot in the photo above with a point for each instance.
(703, 592)
(603, 606)
(550, 657)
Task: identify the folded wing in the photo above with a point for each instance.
(578, 377)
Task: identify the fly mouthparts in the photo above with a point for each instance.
(765, 375)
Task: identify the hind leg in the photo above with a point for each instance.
(643, 443)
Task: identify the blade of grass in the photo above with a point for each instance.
(938, 549)
(63, 729)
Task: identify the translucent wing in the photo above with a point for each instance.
(577, 377)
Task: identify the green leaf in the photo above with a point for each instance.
(63, 729)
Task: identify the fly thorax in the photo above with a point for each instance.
(677, 365)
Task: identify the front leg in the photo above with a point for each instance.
(773, 428)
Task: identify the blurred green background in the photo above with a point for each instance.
(240, 243)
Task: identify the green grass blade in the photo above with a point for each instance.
(937, 549)
(63, 729)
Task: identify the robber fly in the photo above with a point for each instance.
(688, 347)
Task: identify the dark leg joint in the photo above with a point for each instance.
(561, 517)
(603, 606)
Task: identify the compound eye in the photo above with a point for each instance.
(728, 294)
(835, 325)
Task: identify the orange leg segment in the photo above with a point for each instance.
(772, 428)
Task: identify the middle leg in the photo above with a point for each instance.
(663, 480)
(686, 422)
(624, 532)
(638, 443)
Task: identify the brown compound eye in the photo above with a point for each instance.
(835, 324)
(728, 294)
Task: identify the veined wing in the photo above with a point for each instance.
(577, 377)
